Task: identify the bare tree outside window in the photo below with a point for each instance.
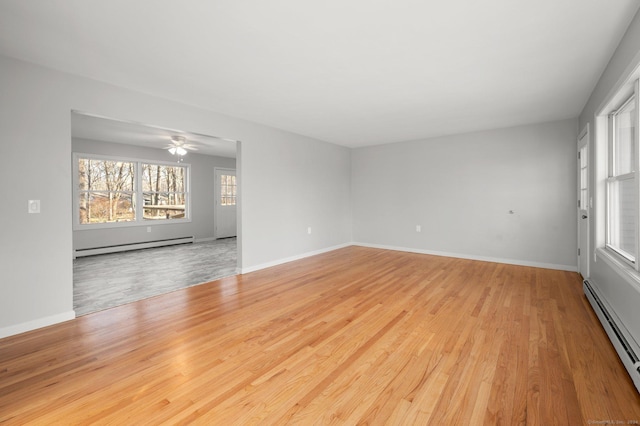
(107, 191)
(228, 190)
(164, 191)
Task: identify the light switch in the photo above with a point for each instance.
(34, 206)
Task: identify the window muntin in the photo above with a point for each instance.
(622, 182)
(117, 192)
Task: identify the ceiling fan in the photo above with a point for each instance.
(179, 146)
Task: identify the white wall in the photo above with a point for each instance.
(287, 181)
(619, 292)
(460, 190)
(202, 200)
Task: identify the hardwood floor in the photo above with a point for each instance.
(354, 336)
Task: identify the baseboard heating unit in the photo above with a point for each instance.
(131, 246)
(625, 351)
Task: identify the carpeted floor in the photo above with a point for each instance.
(108, 280)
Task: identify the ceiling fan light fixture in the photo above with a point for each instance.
(177, 149)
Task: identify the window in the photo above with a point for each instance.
(622, 181)
(227, 190)
(116, 192)
(106, 191)
(164, 191)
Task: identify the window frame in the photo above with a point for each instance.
(612, 178)
(138, 193)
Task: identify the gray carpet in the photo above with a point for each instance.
(108, 280)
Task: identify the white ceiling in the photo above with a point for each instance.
(351, 72)
(87, 126)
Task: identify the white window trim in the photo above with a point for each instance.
(77, 226)
(625, 95)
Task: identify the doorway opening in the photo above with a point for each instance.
(146, 206)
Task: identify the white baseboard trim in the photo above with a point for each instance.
(291, 259)
(37, 323)
(131, 246)
(202, 240)
(571, 268)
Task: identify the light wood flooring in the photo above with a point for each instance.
(354, 336)
(108, 280)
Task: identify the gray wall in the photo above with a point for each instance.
(202, 197)
(279, 174)
(301, 184)
(460, 190)
(619, 290)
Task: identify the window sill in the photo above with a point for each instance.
(115, 225)
(623, 269)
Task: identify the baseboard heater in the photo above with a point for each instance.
(131, 246)
(621, 344)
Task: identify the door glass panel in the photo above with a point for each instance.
(584, 178)
(227, 190)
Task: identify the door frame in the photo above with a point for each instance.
(583, 140)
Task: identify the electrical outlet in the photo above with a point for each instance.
(309, 230)
(148, 229)
(34, 206)
(418, 228)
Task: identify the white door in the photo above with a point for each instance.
(584, 203)
(226, 191)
